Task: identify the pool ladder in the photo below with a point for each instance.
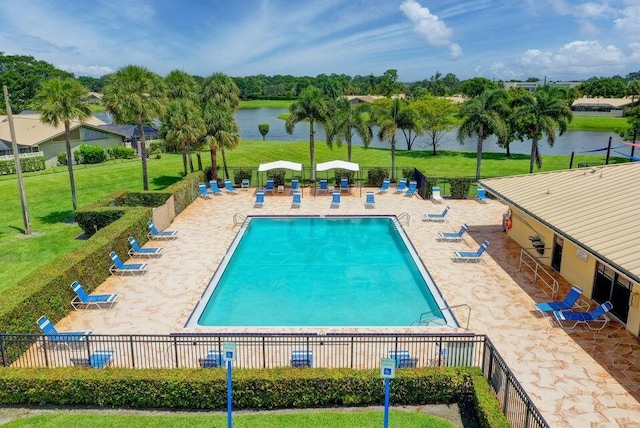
(422, 321)
(239, 219)
(404, 216)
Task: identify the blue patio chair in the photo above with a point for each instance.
(213, 185)
(212, 360)
(435, 195)
(452, 236)
(295, 185)
(324, 186)
(259, 199)
(470, 256)
(137, 251)
(119, 268)
(302, 358)
(154, 233)
(370, 202)
(270, 186)
(228, 186)
(97, 301)
(385, 186)
(595, 320)
(335, 199)
(244, 185)
(344, 184)
(413, 188)
(561, 305)
(403, 359)
(401, 186)
(204, 193)
(437, 216)
(98, 360)
(296, 200)
(481, 195)
(59, 338)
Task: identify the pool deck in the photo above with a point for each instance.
(576, 379)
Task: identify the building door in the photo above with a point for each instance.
(613, 287)
(556, 259)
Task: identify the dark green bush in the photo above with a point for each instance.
(460, 187)
(376, 176)
(121, 152)
(90, 154)
(157, 146)
(242, 174)
(341, 173)
(62, 158)
(278, 176)
(408, 174)
(35, 163)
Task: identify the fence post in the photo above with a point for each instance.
(2, 354)
(133, 354)
(264, 353)
(506, 393)
(175, 349)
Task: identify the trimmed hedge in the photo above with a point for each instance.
(35, 163)
(460, 187)
(282, 388)
(376, 176)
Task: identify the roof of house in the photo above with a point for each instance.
(596, 208)
(130, 131)
(30, 131)
(610, 102)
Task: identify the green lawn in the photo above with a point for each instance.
(598, 123)
(49, 198)
(360, 419)
(266, 103)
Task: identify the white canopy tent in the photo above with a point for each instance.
(281, 164)
(338, 164)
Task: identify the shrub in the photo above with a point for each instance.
(278, 176)
(376, 176)
(62, 158)
(263, 128)
(121, 152)
(408, 174)
(90, 154)
(157, 145)
(341, 173)
(35, 163)
(241, 174)
(460, 187)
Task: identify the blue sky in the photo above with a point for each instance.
(497, 39)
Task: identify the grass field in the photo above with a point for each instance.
(358, 419)
(49, 197)
(266, 103)
(598, 123)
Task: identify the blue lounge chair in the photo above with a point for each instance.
(302, 358)
(569, 319)
(470, 256)
(245, 184)
(385, 186)
(213, 185)
(437, 216)
(435, 195)
(413, 188)
(137, 251)
(296, 200)
(403, 359)
(452, 236)
(370, 201)
(154, 233)
(270, 186)
(119, 268)
(204, 193)
(67, 338)
(259, 199)
(335, 199)
(481, 195)
(401, 186)
(212, 360)
(295, 185)
(85, 301)
(98, 360)
(324, 186)
(562, 305)
(228, 186)
(344, 184)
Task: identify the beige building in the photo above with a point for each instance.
(583, 223)
(50, 140)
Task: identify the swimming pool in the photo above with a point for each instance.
(313, 271)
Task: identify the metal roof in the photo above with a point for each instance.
(598, 208)
(30, 131)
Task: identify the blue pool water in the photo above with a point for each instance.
(318, 272)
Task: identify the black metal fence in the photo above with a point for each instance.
(358, 351)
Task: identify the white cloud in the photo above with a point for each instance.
(581, 56)
(86, 70)
(429, 26)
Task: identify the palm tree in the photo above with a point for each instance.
(61, 100)
(312, 107)
(538, 115)
(221, 132)
(386, 113)
(344, 123)
(482, 116)
(134, 94)
(183, 125)
(181, 85)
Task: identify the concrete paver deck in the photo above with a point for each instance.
(576, 379)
